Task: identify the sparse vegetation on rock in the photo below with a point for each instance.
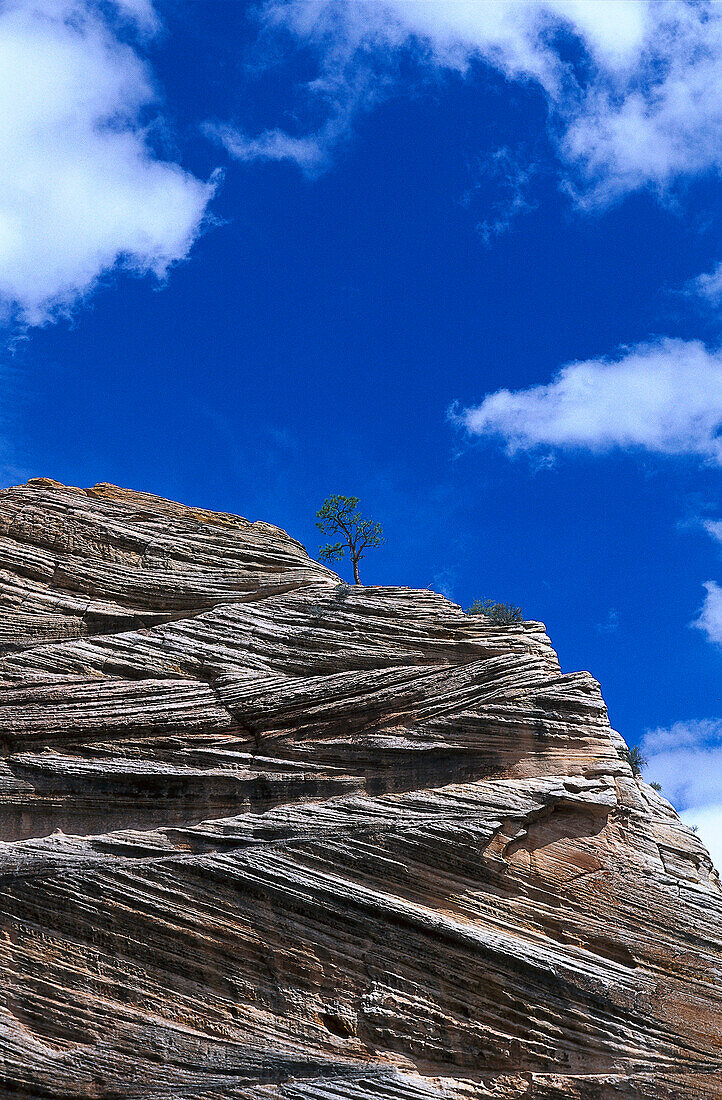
(635, 758)
(501, 613)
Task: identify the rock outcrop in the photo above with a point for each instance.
(266, 836)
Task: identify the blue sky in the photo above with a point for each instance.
(459, 260)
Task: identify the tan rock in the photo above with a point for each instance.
(267, 836)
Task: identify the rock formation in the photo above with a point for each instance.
(269, 837)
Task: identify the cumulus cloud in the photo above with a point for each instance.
(686, 759)
(81, 189)
(641, 105)
(664, 397)
(657, 120)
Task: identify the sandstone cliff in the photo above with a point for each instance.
(266, 836)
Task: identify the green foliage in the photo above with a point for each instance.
(501, 613)
(634, 758)
(656, 786)
(333, 551)
(339, 515)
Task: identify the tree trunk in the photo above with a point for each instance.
(356, 578)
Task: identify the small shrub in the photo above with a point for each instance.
(501, 613)
(656, 786)
(634, 758)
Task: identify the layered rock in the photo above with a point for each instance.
(266, 836)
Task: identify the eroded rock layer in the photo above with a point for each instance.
(269, 837)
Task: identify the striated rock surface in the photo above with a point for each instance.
(265, 836)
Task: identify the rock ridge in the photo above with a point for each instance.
(265, 836)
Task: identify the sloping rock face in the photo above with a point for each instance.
(265, 836)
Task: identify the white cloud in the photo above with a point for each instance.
(707, 820)
(354, 73)
(708, 287)
(516, 38)
(686, 759)
(513, 176)
(659, 119)
(684, 735)
(710, 617)
(644, 109)
(310, 153)
(664, 397)
(140, 12)
(713, 527)
(81, 189)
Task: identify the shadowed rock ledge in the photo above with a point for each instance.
(268, 837)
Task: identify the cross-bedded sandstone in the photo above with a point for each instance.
(269, 837)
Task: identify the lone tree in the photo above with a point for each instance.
(340, 516)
